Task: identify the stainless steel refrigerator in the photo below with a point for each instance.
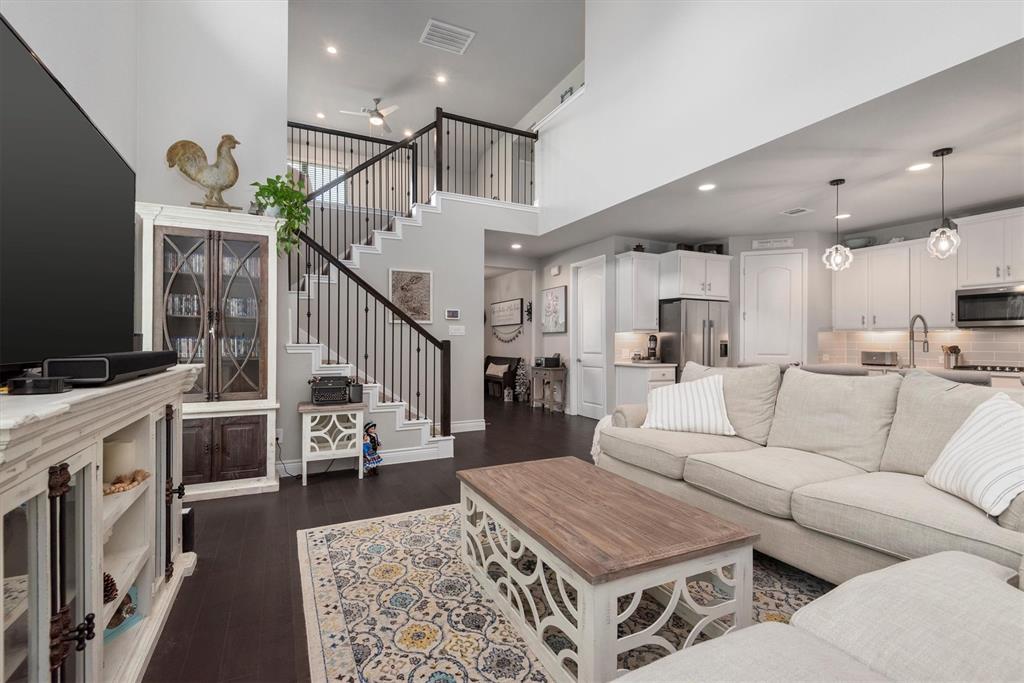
(694, 330)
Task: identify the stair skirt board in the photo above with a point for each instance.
(394, 456)
(468, 426)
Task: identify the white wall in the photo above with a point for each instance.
(549, 102)
(674, 87)
(205, 69)
(91, 48)
(517, 284)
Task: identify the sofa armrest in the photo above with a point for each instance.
(629, 415)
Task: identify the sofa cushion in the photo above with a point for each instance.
(664, 452)
(846, 418)
(946, 617)
(749, 396)
(928, 411)
(765, 652)
(900, 514)
(763, 479)
(1013, 516)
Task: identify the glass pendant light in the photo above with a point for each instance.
(944, 240)
(838, 256)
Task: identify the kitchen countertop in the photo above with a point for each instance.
(631, 364)
(894, 368)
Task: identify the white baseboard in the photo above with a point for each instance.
(468, 426)
(228, 489)
(393, 456)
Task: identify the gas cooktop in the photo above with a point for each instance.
(992, 368)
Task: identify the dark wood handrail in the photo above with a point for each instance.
(341, 133)
(366, 164)
(492, 126)
(336, 262)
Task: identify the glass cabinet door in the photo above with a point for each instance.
(21, 570)
(182, 312)
(241, 370)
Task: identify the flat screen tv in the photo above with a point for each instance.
(67, 221)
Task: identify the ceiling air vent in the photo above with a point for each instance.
(796, 211)
(446, 37)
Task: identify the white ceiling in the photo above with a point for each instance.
(521, 50)
(976, 107)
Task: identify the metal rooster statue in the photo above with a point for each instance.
(216, 177)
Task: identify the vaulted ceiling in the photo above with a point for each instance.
(521, 50)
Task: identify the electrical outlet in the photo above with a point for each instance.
(825, 357)
(280, 435)
(625, 354)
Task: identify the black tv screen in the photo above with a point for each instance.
(67, 221)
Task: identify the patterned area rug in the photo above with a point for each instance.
(389, 599)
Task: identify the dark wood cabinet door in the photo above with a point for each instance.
(197, 451)
(240, 447)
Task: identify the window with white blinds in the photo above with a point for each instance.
(317, 176)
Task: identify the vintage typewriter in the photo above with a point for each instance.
(328, 390)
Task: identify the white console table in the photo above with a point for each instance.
(332, 431)
(56, 453)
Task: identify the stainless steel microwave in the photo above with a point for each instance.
(990, 307)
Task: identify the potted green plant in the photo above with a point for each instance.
(284, 198)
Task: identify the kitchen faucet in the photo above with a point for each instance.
(913, 339)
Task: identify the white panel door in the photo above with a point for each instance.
(981, 258)
(932, 287)
(717, 278)
(1013, 238)
(590, 340)
(692, 274)
(850, 296)
(773, 316)
(889, 288)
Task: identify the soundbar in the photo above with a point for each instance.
(109, 368)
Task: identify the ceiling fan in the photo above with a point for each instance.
(375, 114)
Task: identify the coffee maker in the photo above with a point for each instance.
(652, 347)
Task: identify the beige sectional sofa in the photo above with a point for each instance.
(903, 623)
(828, 469)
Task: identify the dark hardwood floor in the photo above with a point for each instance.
(239, 616)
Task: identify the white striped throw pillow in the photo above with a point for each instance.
(983, 462)
(697, 406)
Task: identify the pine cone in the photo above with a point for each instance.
(109, 588)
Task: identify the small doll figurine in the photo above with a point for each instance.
(371, 446)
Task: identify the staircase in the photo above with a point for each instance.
(374, 191)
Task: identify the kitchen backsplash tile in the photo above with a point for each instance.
(993, 346)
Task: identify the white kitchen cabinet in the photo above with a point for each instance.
(850, 295)
(633, 381)
(933, 283)
(636, 292)
(991, 251)
(889, 287)
(694, 275)
(874, 292)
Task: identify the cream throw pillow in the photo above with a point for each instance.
(983, 463)
(494, 370)
(697, 406)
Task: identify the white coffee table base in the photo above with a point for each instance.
(587, 614)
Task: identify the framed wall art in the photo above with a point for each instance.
(413, 292)
(553, 303)
(508, 312)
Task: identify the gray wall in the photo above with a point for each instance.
(819, 286)
(514, 285)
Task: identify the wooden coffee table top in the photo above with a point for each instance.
(602, 525)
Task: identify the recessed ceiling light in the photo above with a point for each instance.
(706, 187)
(841, 216)
(332, 50)
(407, 132)
(320, 115)
(919, 167)
(441, 78)
(517, 246)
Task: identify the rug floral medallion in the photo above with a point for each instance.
(389, 599)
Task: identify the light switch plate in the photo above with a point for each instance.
(456, 330)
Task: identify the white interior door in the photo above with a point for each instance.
(773, 318)
(589, 340)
